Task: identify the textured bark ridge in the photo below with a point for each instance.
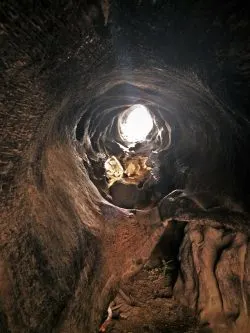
(68, 70)
(214, 276)
(72, 250)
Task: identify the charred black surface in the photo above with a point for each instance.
(68, 68)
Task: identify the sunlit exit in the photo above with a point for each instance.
(137, 124)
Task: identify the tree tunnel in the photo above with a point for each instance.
(124, 167)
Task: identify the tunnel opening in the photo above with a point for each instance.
(135, 124)
(177, 152)
(126, 138)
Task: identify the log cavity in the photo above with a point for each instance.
(175, 149)
(123, 135)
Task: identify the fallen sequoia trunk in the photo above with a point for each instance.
(68, 70)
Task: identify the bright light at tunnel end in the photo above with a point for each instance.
(137, 124)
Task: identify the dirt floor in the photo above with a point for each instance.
(145, 304)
